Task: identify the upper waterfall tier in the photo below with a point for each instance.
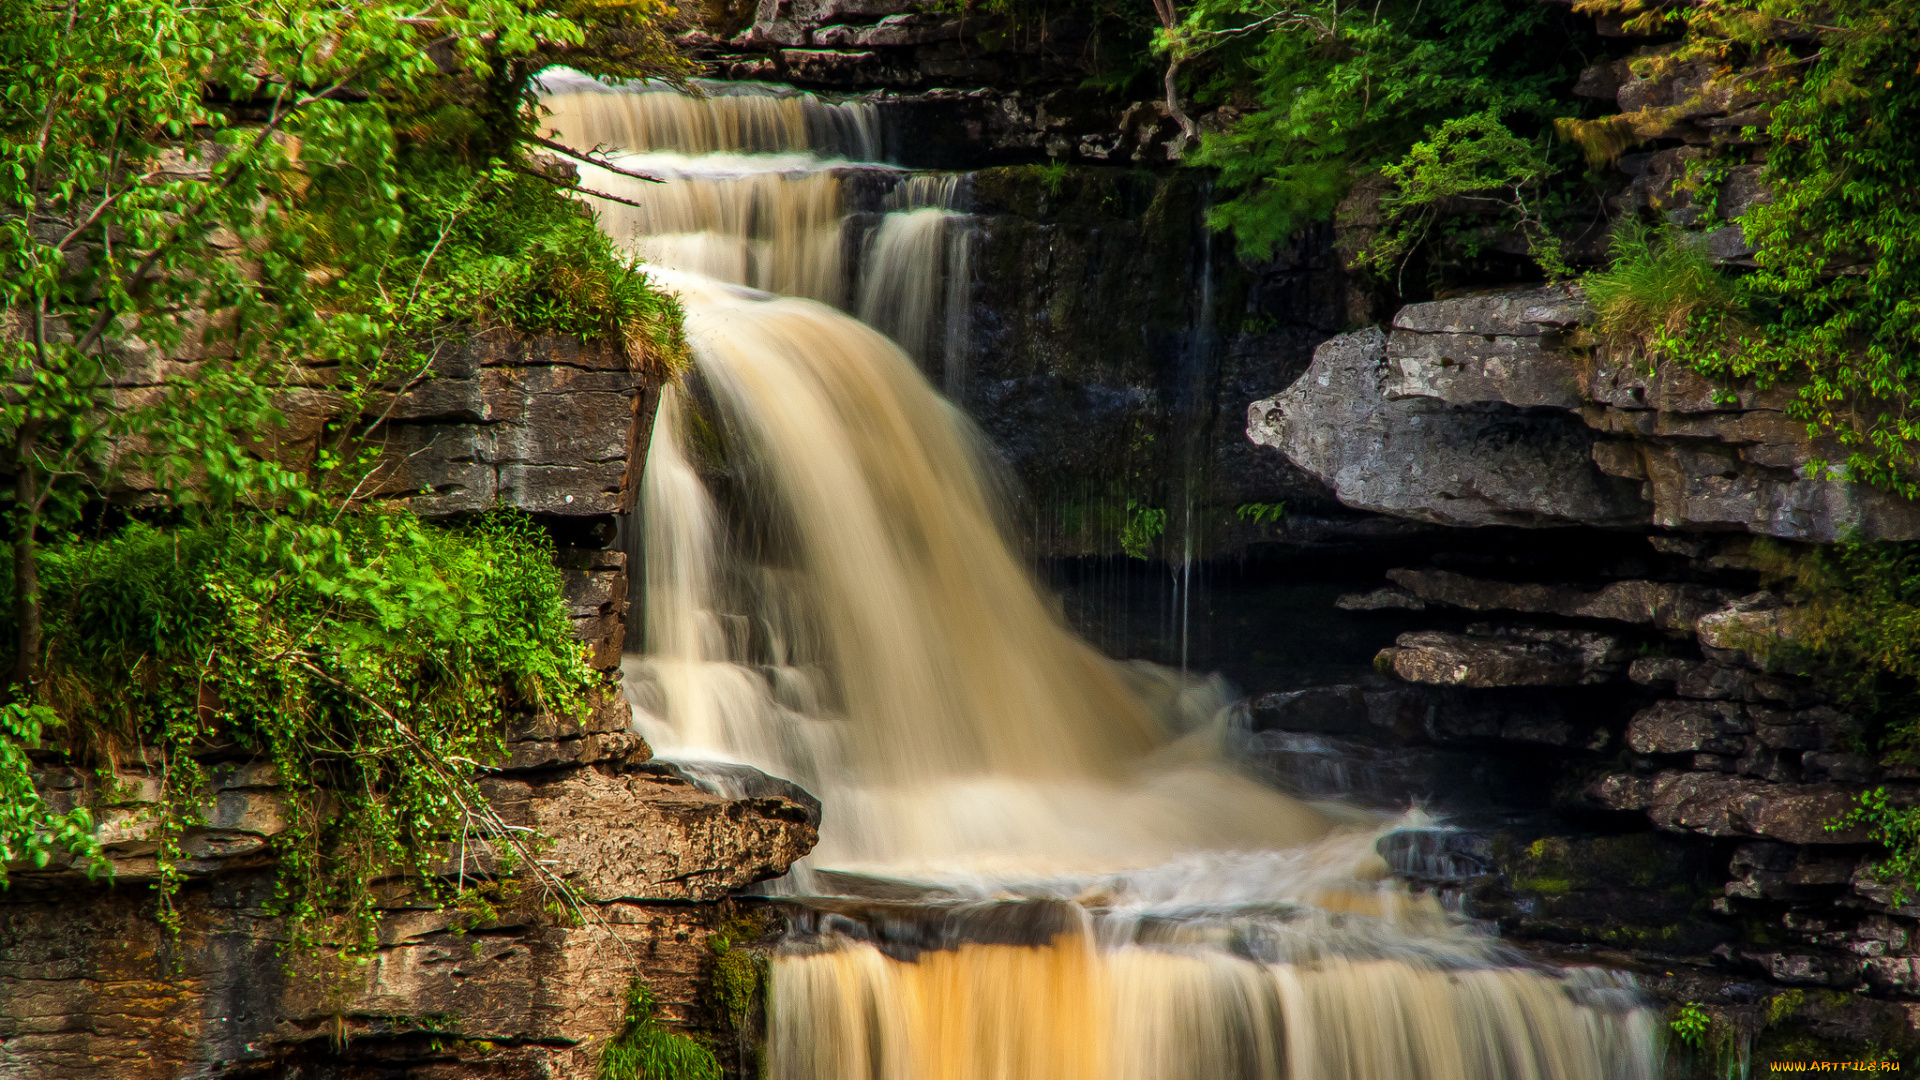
(743, 117)
(777, 191)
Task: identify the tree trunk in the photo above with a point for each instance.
(1170, 22)
(26, 559)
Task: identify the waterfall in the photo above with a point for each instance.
(1035, 863)
(756, 194)
(901, 293)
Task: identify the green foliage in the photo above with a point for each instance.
(256, 188)
(1331, 94)
(30, 831)
(1783, 1005)
(1662, 295)
(281, 196)
(1053, 177)
(1261, 513)
(1894, 827)
(1858, 629)
(1838, 246)
(1140, 526)
(483, 246)
(645, 1049)
(1857, 632)
(1469, 161)
(1690, 1025)
(375, 659)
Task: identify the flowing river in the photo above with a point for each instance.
(1035, 863)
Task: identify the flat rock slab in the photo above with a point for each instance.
(652, 837)
(1668, 606)
(1738, 806)
(1512, 657)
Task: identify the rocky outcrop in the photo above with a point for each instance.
(1685, 739)
(1478, 411)
(548, 425)
(1426, 460)
(92, 985)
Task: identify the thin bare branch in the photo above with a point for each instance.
(594, 157)
(582, 189)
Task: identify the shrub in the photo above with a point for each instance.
(375, 661)
(1661, 287)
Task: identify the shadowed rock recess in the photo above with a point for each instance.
(91, 984)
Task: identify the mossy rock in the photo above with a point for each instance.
(1061, 192)
(1560, 864)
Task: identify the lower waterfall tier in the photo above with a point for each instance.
(1069, 1011)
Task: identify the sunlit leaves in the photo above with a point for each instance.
(30, 830)
(1467, 160)
(206, 209)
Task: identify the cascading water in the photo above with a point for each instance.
(1034, 863)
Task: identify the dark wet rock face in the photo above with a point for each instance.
(1115, 344)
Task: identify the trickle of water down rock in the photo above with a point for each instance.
(1035, 863)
